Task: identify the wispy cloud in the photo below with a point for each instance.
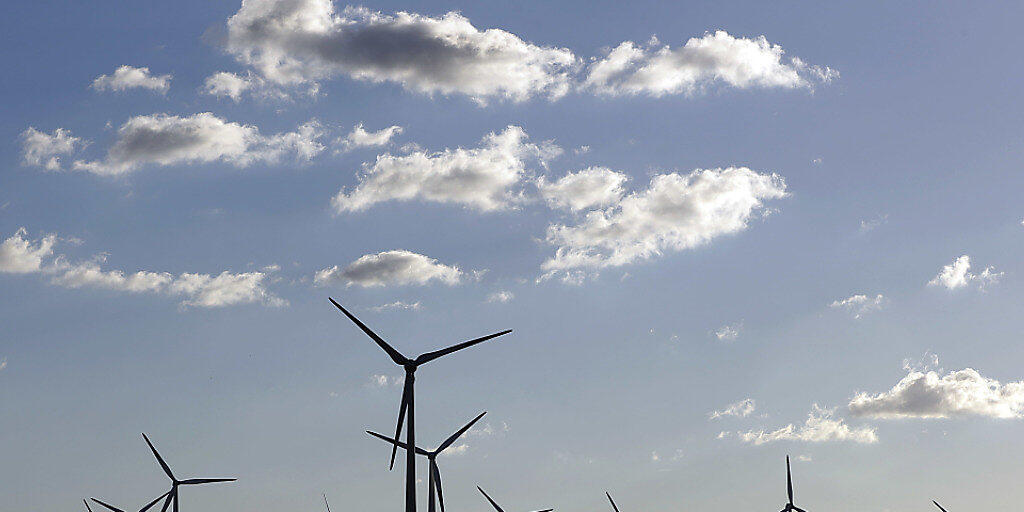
(860, 305)
(821, 426)
(740, 409)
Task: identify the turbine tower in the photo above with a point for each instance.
(172, 495)
(495, 505)
(434, 478)
(410, 366)
(789, 488)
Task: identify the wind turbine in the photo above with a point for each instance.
(434, 478)
(937, 505)
(410, 366)
(172, 495)
(115, 509)
(495, 505)
(612, 501)
(789, 488)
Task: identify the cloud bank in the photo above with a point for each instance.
(957, 394)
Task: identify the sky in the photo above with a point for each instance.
(721, 233)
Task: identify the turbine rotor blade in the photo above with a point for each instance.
(493, 504)
(546, 510)
(789, 481)
(406, 392)
(612, 501)
(396, 356)
(326, 503)
(798, 509)
(436, 473)
(160, 459)
(430, 356)
(401, 444)
(147, 507)
(937, 505)
(109, 506)
(197, 481)
(167, 502)
(451, 439)
(87, 507)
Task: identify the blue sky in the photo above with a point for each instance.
(671, 227)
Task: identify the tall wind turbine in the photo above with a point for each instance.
(612, 501)
(495, 505)
(410, 366)
(434, 478)
(789, 488)
(172, 495)
(937, 505)
(115, 509)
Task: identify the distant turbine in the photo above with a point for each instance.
(495, 505)
(789, 489)
(937, 505)
(410, 366)
(115, 509)
(172, 495)
(434, 478)
(612, 501)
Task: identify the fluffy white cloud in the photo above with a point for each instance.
(715, 58)
(859, 305)
(291, 42)
(390, 268)
(928, 395)
(501, 296)
(227, 84)
(130, 77)
(820, 427)
(675, 213)
(594, 186)
(728, 332)
(360, 138)
(958, 275)
(19, 255)
(481, 178)
(740, 409)
(397, 305)
(42, 149)
(163, 139)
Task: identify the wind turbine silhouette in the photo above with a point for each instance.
(172, 495)
(612, 501)
(789, 488)
(115, 509)
(410, 366)
(937, 505)
(434, 478)
(495, 505)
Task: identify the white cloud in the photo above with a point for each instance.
(860, 305)
(303, 41)
(227, 84)
(383, 381)
(675, 213)
(926, 394)
(713, 59)
(360, 138)
(130, 77)
(501, 296)
(18, 255)
(397, 305)
(41, 149)
(390, 268)
(480, 178)
(958, 275)
(869, 225)
(820, 427)
(740, 409)
(3, 363)
(729, 332)
(163, 139)
(594, 186)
